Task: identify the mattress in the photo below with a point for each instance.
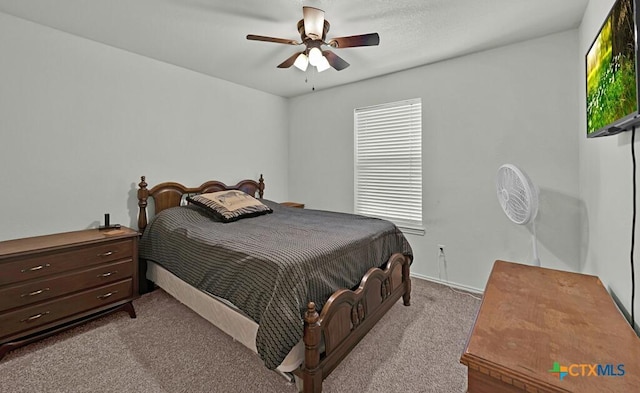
(220, 312)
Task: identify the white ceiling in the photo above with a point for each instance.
(208, 36)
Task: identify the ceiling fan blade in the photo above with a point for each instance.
(289, 62)
(253, 37)
(335, 61)
(370, 39)
(313, 22)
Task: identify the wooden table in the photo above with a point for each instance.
(532, 317)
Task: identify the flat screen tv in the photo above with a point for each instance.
(612, 73)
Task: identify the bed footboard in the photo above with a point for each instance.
(348, 316)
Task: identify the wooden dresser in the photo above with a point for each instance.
(54, 282)
(535, 324)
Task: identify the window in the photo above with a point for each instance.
(388, 163)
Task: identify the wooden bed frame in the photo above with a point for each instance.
(346, 317)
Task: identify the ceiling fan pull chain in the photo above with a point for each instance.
(313, 77)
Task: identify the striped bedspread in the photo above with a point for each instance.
(271, 266)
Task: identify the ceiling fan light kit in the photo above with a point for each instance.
(313, 30)
(302, 62)
(314, 56)
(323, 64)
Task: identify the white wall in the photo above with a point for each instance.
(605, 185)
(513, 104)
(80, 122)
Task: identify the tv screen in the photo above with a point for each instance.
(611, 72)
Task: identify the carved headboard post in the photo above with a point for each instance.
(143, 194)
(261, 186)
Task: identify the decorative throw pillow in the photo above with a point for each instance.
(230, 205)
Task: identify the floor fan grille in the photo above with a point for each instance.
(518, 197)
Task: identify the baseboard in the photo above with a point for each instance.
(623, 310)
(449, 284)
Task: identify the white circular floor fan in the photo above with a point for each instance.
(518, 197)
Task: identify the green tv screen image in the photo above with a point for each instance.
(611, 70)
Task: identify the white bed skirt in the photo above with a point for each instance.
(221, 313)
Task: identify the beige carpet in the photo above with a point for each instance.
(168, 349)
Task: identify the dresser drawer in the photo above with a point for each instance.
(36, 291)
(43, 313)
(40, 265)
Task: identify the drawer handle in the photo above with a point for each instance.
(39, 291)
(106, 254)
(106, 295)
(35, 268)
(34, 317)
(107, 274)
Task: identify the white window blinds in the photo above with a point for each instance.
(388, 162)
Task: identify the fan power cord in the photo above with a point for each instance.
(633, 230)
(446, 275)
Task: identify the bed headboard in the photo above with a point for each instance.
(169, 194)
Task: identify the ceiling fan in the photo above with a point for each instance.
(313, 30)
